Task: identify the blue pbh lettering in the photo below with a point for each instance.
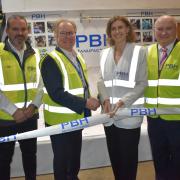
(84, 121)
(95, 40)
(105, 41)
(8, 138)
(2, 139)
(63, 125)
(80, 39)
(143, 111)
(38, 16)
(74, 123)
(151, 111)
(134, 112)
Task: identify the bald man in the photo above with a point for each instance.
(164, 91)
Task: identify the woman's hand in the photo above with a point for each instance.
(118, 105)
(106, 106)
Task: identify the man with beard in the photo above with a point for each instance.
(20, 96)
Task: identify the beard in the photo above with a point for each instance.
(18, 41)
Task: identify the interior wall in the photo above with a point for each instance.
(59, 5)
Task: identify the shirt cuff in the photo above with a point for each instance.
(10, 109)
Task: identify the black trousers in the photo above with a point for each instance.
(165, 144)
(28, 150)
(67, 150)
(123, 151)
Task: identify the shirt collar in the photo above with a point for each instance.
(15, 50)
(169, 46)
(69, 54)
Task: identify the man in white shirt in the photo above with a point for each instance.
(20, 96)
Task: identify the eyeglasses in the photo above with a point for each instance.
(65, 34)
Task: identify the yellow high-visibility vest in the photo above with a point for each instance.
(163, 87)
(20, 86)
(55, 113)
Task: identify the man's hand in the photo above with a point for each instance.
(19, 116)
(116, 107)
(106, 106)
(92, 103)
(29, 111)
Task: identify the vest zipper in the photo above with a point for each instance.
(25, 85)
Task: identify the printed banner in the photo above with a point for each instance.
(89, 121)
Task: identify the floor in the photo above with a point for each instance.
(145, 172)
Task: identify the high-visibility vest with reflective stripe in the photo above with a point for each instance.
(55, 113)
(163, 87)
(19, 86)
(109, 84)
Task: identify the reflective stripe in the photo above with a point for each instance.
(164, 82)
(121, 83)
(66, 83)
(166, 101)
(45, 91)
(80, 55)
(151, 100)
(58, 109)
(169, 82)
(149, 48)
(152, 82)
(103, 60)
(31, 85)
(38, 57)
(77, 91)
(21, 104)
(134, 62)
(132, 73)
(139, 101)
(16, 87)
(114, 100)
(108, 83)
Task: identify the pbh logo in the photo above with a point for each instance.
(75, 124)
(93, 40)
(7, 138)
(143, 111)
